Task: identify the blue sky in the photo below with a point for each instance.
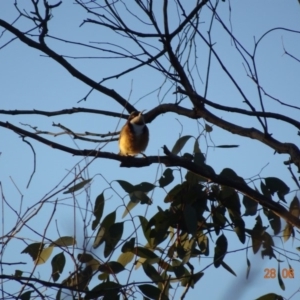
(30, 80)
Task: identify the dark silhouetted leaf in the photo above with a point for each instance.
(174, 193)
(103, 289)
(257, 235)
(112, 238)
(38, 253)
(268, 246)
(98, 210)
(146, 229)
(208, 128)
(145, 253)
(18, 273)
(84, 257)
(151, 272)
(281, 284)
(126, 186)
(220, 250)
(34, 250)
(151, 291)
(239, 228)
(26, 295)
(128, 246)
(295, 207)
(166, 178)
(229, 173)
(180, 144)
(140, 196)
(107, 222)
(112, 267)
(274, 220)
(144, 187)
(77, 186)
(226, 267)
(58, 263)
(227, 146)
(275, 185)
(190, 218)
(270, 296)
(250, 205)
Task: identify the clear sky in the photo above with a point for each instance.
(29, 80)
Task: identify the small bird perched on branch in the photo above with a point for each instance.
(134, 135)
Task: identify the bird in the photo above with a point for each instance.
(134, 135)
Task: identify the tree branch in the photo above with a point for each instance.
(73, 71)
(170, 160)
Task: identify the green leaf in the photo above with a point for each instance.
(203, 243)
(144, 187)
(38, 253)
(58, 263)
(227, 146)
(229, 173)
(146, 229)
(287, 232)
(125, 258)
(208, 128)
(64, 241)
(226, 267)
(150, 291)
(34, 250)
(179, 270)
(166, 178)
(275, 185)
(270, 296)
(190, 217)
(268, 246)
(18, 273)
(84, 257)
(112, 267)
(281, 284)
(239, 228)
(257, 235)
(128, 246)
(44, 255)
(98, 210)
(126, 186)
(180, 144)
(26, 295)
(250, 205)
(144, 253)
(112, 238)
(274, 220)
(103, 289)
(151, 272)
(107, 222)
(77, 186)
(131, 204)
(230, 199)
(248, 268)
(173, 193)
(140, 196)
(295, 207)
(220, 250)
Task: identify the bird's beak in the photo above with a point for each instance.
(141, 112)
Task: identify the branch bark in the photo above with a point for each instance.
(172, 161)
